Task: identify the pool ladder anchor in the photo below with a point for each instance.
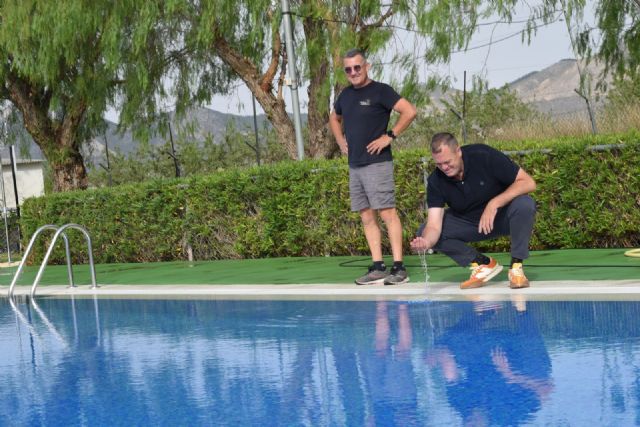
(59, 231)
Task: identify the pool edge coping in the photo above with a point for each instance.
(544, 290)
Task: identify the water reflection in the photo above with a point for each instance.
(388, 370)
(89, 361)
(495, 364)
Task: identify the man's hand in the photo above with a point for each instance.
(377, 145)
(419, 244)
(486, 220)
(344, 148)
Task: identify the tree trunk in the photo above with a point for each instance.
(261, 87)
(58, 139)
(321, 142)
(69, 173)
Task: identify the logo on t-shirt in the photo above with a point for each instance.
(365, 102)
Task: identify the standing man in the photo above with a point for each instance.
(487, 196)
(363, 110)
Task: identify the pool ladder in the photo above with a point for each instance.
(59, 231)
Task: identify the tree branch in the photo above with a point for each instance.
(381, 20)
(245, 69)
(250, 74)
(266, 81)
(283, 73)
(70, 123)
(34, 108)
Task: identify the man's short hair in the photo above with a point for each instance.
(352, 53)
(443, 138)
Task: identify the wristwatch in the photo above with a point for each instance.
(391, 134)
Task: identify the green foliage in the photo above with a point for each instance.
(624, 93)
(79, 51)
(130, 222)
(585, 198)
(486, 112)
(616, 38)
(74, 59)
(64, 63)
(195, 156)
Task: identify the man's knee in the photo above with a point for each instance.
(523, 206)
(368, 217)
(389, 215)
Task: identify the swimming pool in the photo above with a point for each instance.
(219, 362)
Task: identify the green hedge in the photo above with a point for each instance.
(585, 198)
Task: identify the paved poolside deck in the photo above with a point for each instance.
(557, 274)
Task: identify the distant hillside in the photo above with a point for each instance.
(205, 122)
(552, 89)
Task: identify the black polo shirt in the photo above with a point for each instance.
(487, 173)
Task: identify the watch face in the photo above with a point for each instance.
(391, 134)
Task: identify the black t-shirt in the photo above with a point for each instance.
(365, 112)
(487, 173)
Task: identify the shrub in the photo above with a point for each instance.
(586, 198)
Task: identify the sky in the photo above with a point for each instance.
(501, 62)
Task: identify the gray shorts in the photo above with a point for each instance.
(372, 186)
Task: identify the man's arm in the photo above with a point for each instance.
(523, 184)
(407, 113)
(335, 123)
(431, 232)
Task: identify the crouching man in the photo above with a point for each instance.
(487, 196)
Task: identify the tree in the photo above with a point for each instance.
(616, 38)
(487, 111)
(64, 62)
(245, 35)
(197, 155)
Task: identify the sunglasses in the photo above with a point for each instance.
(355, 69)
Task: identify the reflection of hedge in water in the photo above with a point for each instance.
(554, 319)
(586, 199)
(327, 321)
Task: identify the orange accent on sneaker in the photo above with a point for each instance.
(517, 279)
(481, 274)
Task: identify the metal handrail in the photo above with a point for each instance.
(27, 252)
(50, 250)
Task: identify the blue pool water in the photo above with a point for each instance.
(203, 362)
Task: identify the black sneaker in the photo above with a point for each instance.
(398, 276)
(373, 276)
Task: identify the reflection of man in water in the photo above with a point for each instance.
(495, 364)
(389, 372)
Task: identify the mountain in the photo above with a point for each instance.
(552, 89)
(204, 122)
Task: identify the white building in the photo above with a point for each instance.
(29, 181)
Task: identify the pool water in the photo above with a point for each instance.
(319, 363)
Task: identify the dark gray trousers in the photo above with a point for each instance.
(516, 220)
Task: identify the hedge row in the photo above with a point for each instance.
(586, 198)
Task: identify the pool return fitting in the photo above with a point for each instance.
(60, 231)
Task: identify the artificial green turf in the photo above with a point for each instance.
(573, 264)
